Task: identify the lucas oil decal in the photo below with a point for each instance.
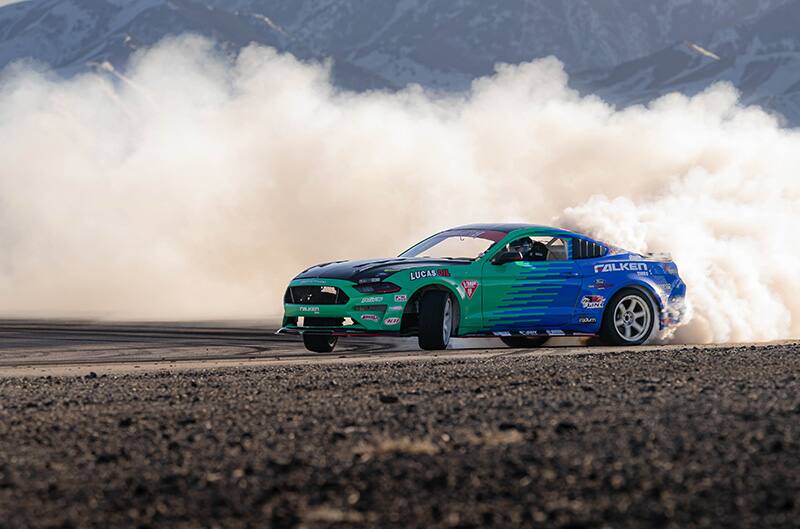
(470, 286)
(620, 267)
(593, 302)
(436, 272)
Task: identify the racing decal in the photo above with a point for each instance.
(391, 321)
(620, 267)
(370, 280)
(396, 307)
(555, 333)
(373, 299)
(502, 333)
(600, 284)
(422, 274)
(529, 333)
(470, 286)
(400, 298)
(587, 320)
(309, 309)
(369, 317)
(593, 302)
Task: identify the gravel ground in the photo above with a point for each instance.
(676, 438)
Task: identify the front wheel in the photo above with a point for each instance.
(319, 343)
(524, 342)
(435, 320)
(628, 319)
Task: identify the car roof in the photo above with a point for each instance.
(510, 227)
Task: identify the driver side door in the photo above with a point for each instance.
(531, 294)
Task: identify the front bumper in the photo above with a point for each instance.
(362, 314)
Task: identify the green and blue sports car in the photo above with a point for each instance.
(520, 282)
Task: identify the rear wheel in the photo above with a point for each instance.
(524, 342)
(319, 343)
(628, 319)
(435, 320)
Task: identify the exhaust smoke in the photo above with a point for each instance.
(194, 185)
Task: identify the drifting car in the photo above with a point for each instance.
(519, 282)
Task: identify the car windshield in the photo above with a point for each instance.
(456, 244)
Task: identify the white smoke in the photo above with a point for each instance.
(193, 185)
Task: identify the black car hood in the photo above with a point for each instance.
(369, 268)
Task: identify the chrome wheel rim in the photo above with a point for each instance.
(447, 321)
(632, 318)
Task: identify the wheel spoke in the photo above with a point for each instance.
(637, 327)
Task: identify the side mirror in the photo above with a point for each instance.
(506, 257)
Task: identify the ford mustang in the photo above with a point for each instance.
(519, 282)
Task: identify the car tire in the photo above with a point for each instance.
(628, 319)
(524, 342)
(319, 343)
(435, 320)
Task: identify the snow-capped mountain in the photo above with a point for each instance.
(610, 46)
(761, 57)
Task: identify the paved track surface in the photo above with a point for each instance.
(374, 436)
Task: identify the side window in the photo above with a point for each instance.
(583, 249)
(540, 248)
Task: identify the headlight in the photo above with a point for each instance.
(377, 288)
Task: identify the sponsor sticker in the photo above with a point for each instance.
(396, 307)
(555, 333)
(400, 298)
(470, 286)
(373, 299)
(391, 321)
(620, 267)
(593, 302)
(309, 309)
(588, 320)
(502, 333)
(422, 274)
(370, 280)
(600, 284)
(529, 333)
(369, 317)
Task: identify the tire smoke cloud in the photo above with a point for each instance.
(195, 185)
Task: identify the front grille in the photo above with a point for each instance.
(315, 295)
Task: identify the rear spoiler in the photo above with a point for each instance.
(659, 256)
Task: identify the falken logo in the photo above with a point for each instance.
(620, 267)
(400, 298)
(391, 321)
(369, 317)
(593, 302)
(470, 286)
(309, 309)
(421, 274)
(372, 299)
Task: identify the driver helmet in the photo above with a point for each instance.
(523, 246)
